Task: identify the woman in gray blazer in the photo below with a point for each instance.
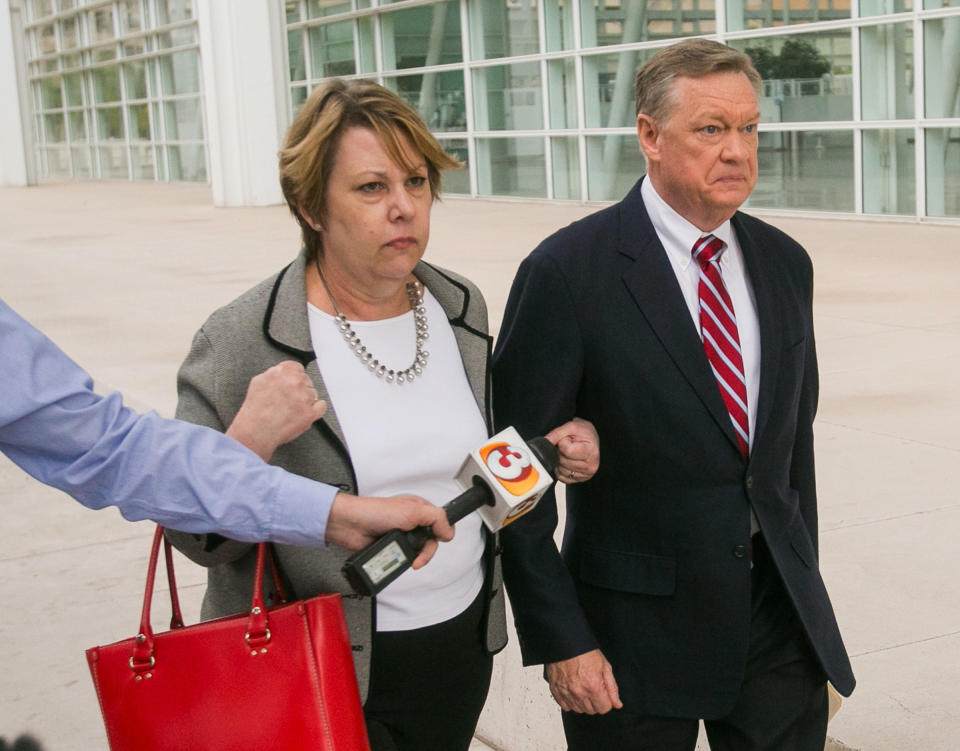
(358, 308)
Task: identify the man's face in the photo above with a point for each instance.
(703, 159)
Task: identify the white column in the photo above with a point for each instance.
(428, 90)
(951, 67)
(244, 99)
(15, 163)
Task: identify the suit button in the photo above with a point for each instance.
(749, 482)
(739, 551)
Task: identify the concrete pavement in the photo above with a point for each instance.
(121, 275)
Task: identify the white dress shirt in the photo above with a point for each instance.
(678, 237)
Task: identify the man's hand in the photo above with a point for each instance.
(281, 403)
(584, 683)
(578, 447)
(356, 521)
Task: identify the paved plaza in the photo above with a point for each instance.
(122, 274)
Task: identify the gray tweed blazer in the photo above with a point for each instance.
(262, 327)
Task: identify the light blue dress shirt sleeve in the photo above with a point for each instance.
(183, 476)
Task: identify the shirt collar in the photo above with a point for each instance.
(676, 233)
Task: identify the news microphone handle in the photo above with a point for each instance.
(468, 501)
(463, 505)
(417, 537)
(374, 567)
(377, 565)
(480, 494)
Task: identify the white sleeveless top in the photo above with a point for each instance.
(409, 438)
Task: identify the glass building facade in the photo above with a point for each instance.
(860, 103)
(860, 110)
(115, 89)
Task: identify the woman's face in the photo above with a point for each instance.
(377, 212)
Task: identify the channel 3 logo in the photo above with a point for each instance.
(512, 466)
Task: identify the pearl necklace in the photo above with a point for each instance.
(415, 296)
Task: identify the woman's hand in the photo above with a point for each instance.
(280, 405)
(578, 447)
(356, 521)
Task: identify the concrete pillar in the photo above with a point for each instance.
(428, 92)
(735, 15)
(16, 158)
(951, 67)
(623, 106)
(244, 102)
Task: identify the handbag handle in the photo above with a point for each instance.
(257, 634)
(176, 617)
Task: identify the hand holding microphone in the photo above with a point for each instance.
(502, 480)
(578, 447)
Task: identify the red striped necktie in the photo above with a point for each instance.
(718, 326)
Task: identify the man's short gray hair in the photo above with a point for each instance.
(691, 58)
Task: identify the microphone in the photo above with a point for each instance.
(503, 479)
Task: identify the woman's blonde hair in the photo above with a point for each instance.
(307, 157)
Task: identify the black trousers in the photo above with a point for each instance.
(428, 685)
(782, 704)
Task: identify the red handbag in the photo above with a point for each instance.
(276, 678)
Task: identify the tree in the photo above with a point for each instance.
(763, 60)
(798, 58)
(801, 59)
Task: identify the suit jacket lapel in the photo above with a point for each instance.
(652, 282)
(762, 275)
(471, 335)
(287, 326)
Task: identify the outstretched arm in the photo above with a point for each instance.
(56, 428)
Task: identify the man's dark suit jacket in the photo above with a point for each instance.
(655, 566)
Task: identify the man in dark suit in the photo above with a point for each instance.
(688, 587)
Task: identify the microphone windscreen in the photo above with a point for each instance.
(514, 472)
